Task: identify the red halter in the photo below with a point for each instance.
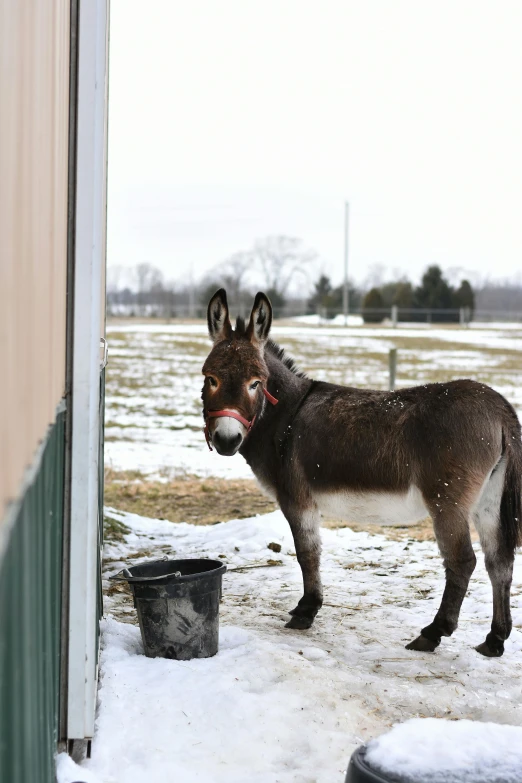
(234, 415)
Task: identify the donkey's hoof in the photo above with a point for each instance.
(299, 623)
(493, 651)
(422, 644)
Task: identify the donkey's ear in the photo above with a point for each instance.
(260, 319)
(219, 326)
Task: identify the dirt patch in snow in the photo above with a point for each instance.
(189, 499)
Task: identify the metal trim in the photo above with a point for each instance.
(89, 262)
(69, 339)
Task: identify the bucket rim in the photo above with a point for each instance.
(359, 771)
(126, 575)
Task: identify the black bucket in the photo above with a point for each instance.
(178, 606)
(359, 771)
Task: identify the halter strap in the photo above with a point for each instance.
(234, 415)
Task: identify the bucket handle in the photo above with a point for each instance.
(121, 576)
(125, 575)
(118, 578)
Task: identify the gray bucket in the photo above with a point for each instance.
(178, 606)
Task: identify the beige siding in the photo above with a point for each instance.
(34, 108)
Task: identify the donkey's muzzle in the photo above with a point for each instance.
(226, 445)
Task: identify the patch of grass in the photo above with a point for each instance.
(114, 530)
(121, 426)
(123, 475)
(165, 412)
(194, 500)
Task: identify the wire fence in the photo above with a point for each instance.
(391, 316)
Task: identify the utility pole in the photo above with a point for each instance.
(345, 286)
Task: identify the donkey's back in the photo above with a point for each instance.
(389, 441)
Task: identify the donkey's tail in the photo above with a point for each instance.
(511, 502)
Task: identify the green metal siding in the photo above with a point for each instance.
(30, 618)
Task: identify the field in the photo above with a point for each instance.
(280, 706)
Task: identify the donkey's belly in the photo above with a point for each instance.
(383, 508)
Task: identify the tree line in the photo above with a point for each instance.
(289, 273)
(282, 266)
(434, 299)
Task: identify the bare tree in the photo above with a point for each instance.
(149, 283)
(282, 260)
(231, 274)
(236, 269)
(149, 278)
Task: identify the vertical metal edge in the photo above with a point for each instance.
(89, 260)
(71, 213)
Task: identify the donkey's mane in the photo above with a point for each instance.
(280, 353)
(272, 347)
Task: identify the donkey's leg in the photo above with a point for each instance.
(499, 565)
(304, 524)
(499, 561)
(454, 540)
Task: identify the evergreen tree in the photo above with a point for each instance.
(277, 300)
(330, 300)
(398, 293)
(321, 296)
(403, 294)
(434, 293)
(372, 307)
(464, 296)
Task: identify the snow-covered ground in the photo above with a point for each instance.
(153, 404)
(277, 705)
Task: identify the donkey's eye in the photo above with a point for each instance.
(255, 385)
(212, 381)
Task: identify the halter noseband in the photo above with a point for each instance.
(234, 415)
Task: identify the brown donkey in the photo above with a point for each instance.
(451, 450)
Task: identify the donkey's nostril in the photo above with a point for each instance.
(226, 445)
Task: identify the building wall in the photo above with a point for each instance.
(34, 111)
(34, 181)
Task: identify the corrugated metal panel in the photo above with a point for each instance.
(30, 606)
(34, 111)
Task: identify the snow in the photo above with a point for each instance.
(443, 751)
(67, 771)
(283, 705)
(184, 453)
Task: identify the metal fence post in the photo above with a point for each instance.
(392, 361)
(394, 315)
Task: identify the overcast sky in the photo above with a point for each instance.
(233, 119)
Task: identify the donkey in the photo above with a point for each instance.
(451, 450)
